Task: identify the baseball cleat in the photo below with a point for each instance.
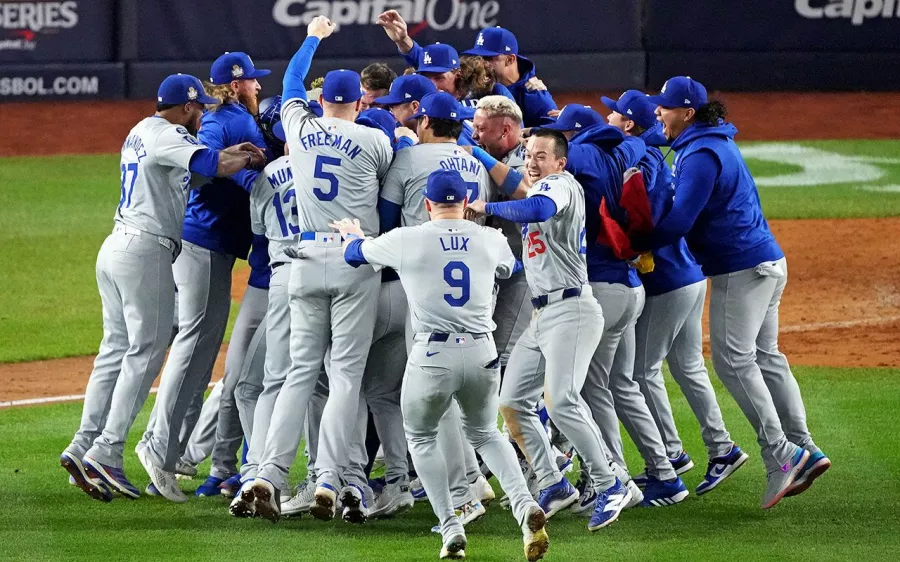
(230, 486)
(557, 497)
(356, 509)
(482, 490)
(681, 463)
(210, 488)
(113, 477)
(454, 548)
(779, 481)
(534, 534)
(185, 470)
(265, 502)
(470, 512)
(660, 493)
(637, 495)
(165, 482)
(585, 503)
(815, 466)
(640, 480)
(609, 505)
(394, 499)
(720, 468)
(323, 502)
(151, 490)
(302, 500)
(72, 481)
(417, 490)
(243, 503)
(94, 488)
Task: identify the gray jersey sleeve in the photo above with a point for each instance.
(175, 147)
(558, 192)
(506, 262)
(386, 250)
(259, 193)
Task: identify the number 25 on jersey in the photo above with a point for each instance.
(535, 245)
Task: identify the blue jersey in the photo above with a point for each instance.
(675, 267)
(598, 158)
(218, 216)
(260, 272)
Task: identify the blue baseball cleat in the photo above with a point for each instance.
(609, 505)
(557, 497)
(230, 487)
(660, 493)
(210, 488)
(95, 488)
(113, 477)
(815, 466)
(720, 468)
(779, 481)
(682, 463)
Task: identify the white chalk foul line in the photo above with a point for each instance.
(54, 399)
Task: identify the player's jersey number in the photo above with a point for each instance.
(289, 198)
(456, 275)
(323, 174)
(471, 190)
(129, 176)
(535, 244)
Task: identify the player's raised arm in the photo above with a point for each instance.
(395, 27)
(319, 28)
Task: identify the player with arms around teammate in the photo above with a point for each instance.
(717, 210)
(134, 275)
(564, 331)
(339, 166)
(447, 266)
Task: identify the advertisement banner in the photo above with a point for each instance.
(62, 82)
(274, 29)
(57, 31)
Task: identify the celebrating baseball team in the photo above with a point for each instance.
(428, 251)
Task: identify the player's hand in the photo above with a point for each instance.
(554, 112)
(320, 27)
(477, 207)
(535, 84)
(401, 132)
(395, 27)
(257, 158)
(348, 228)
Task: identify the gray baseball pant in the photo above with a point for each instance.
(332, 304)
(670, 328)
(464, 369)
(743, 326)
(203, 438)
(512, 313)
(564, 334)
(137, 292)
(250, 382)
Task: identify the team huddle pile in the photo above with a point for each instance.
(459, 249)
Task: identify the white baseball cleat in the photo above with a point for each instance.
(356, 509)
(302, 500)
(185, 470)
(534, 535)
(470, 512)
(265, 501)
(394, 499)
(454, 548)
(165, 482)
(323, 502)
(482, 490)
(637, 495)
(243, 503)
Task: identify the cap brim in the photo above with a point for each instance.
(610, 103)
(207, 100)
(258, 73)
(390, 100)
(435, 69)
(481, 52)
(662, 101)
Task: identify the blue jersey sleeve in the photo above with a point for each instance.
(413, 56)
(205, 162)
(297, 69)
(388, 215)
(533, 209)
(404, 142)
(536, 106)
(246, 178)
(353, 254)
(629, 153)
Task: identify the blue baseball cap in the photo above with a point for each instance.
(493, 41)
(316, 108)
(681, 91)
(234, 66)
(380, 119)
(341, 86)
(407, 88)
(439, 105)
(438, 58)
(575, 117)
(634, 105)
(278, 131)
(445, 186)
(182, 88)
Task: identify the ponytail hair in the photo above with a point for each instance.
(711, 112)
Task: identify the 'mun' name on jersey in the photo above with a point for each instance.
(273, 209)
(447, 268)
(409, 173)
(554, 250)
(338, 166)
(155, 177)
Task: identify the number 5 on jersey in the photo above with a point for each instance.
(323, 174)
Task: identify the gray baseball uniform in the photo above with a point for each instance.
(564, 332)
(670, 328)
(137, 289)
(341, 165)
(447, 268)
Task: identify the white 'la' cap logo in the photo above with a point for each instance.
(407, 95)
(480, 39)
(664, 87)
(426, 58)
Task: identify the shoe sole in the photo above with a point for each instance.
(563, 504)
(817, 470)
(455, 549)
(262, 503)
(353, 511)
(76, 470)
(537, 547)
(683, 469)
(322, 508)
(615, 516)
(93, 468)
(664, 502)
(732, 468)
(793, 474)
(244, 508)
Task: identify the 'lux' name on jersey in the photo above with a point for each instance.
(454, 243)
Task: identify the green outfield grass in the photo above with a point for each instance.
(57, 211)
(852, 513)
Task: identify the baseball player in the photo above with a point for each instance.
(448, 267)
(717, 210)
(134, 276)
(341, 165)
(669, 326)
(564, 331)
(404, 97)
(216, 232)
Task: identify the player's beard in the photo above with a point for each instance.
(251, 102)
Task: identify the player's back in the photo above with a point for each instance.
(554, 253)
(448, 269)
(155, 178)
(273, 208)
(409, 173)
(338, 166)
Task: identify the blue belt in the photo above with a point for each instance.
(312, 235)
(544, 300)
(443, 336)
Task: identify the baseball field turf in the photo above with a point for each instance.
(53, 224)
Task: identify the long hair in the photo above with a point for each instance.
(221, 92)
(711, 112)
(475, 77)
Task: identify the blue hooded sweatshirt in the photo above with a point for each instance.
(598, 158)
(716, 206)
(675, 266)
(218, 213)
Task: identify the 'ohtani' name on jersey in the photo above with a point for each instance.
(135, 143)
(321, 138)
(462, 165)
